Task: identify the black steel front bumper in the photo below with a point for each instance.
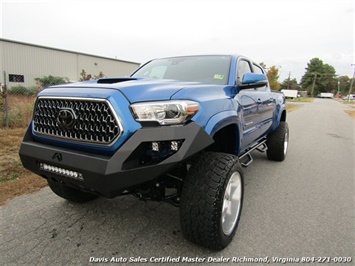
(106, 175)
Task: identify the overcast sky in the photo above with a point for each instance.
(285, 33)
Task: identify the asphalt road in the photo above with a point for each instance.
(302, 207)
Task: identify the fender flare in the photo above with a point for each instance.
(221, 120)
(280, 109)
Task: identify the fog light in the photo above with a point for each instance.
(155, 146)
(61, 171)
(174, 145)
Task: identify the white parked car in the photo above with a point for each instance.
(351, 96)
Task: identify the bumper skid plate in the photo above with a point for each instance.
(107, 175)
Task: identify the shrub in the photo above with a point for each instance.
(50, 80)
(21, 90)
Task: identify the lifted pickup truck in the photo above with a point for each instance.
(177, 130)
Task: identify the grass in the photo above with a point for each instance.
(351, 103)
(301, 99)
(290, 108)
(20, 109)
(14, 179)
(351, 113)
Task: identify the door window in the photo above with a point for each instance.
(243, 68)
(259, 70)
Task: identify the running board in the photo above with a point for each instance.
(261, 146)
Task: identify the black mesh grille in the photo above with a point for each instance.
(93, 120)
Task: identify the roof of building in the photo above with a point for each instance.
(63, 50)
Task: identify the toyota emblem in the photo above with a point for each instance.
(66, 117)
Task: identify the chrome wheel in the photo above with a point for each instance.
(286, 143)
(277, 143)
(212, 200)
(231, 203)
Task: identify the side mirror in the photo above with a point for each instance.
(253, 80)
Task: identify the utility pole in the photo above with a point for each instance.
(352, 82)
(289, 80)
(314, 81)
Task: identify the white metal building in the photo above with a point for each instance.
(23, 62)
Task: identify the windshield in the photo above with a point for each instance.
(205, 69)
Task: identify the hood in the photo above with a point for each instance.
(151, 90)
(136, 90)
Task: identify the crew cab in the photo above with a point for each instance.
(177, 130)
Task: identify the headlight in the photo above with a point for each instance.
(165, 113)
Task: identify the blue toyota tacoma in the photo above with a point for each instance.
(177, 130)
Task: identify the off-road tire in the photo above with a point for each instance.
(277, 143)
(70, 194)
(203, 196)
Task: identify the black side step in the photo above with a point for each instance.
(261, 146)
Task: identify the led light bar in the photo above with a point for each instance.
(61, 171)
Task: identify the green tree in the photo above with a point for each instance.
(309, 80)
(344, 85)
(50, 80)
(328, 79)
(319, 77)
(290, 84)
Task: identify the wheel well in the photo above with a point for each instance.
(225, 140)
